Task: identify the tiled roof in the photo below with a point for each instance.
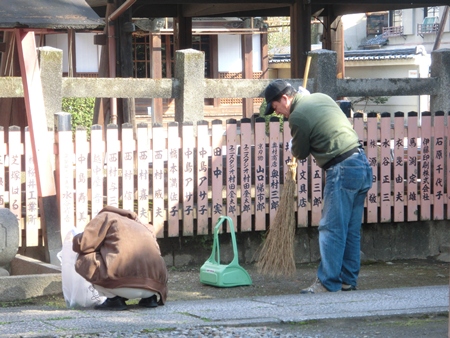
(280, 58)
(61, 14)
(376, 42)
(366, 54)
(384, 54)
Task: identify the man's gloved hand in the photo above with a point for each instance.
(290, 145)
(303, 91)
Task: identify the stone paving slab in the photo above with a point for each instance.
(46, 321)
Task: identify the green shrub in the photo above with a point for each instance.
(81, 109)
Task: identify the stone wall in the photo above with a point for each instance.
(379, 242)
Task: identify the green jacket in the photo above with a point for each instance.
(320, 128)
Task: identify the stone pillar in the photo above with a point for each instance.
(323, 70)
(440, 68)
(190, 74)
(9, 239)
(50, 61)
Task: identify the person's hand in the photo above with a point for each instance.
(290, 145)
(303, 91)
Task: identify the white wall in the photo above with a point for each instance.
(230, 53)
(354, 30)
(391, 69)
(59, 41)
(87, 54)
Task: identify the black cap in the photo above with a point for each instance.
(272, 91)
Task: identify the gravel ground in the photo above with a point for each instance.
(184, 284)
(434, 326)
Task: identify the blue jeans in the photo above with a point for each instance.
(346, 188)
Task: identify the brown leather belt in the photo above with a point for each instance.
(341, 157)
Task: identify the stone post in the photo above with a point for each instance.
(50, 61)
(9, 239)
(50, 64)
(323, 70)
(189, 73)
(440, 68)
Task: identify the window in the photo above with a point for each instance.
(395, 18)
(430, 25)
(431, 11)
(142, 56)
(376, 22)
(395, 24)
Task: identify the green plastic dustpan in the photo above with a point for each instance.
(221, 275)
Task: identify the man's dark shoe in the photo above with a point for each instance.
(347, 287)
(148, 302)
(316, 287)
(113, 304)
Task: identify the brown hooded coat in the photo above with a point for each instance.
(116, 250)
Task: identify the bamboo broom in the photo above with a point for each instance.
(276, 256)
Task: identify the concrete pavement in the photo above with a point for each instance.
(32, 321)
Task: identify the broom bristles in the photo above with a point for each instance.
(276, 256)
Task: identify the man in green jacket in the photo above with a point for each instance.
(320, 128)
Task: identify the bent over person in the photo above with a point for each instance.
(320, 128)
(121, 258)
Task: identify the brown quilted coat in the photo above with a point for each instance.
(116, 250)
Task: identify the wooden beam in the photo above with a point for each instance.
(41, 144)
(213, 8)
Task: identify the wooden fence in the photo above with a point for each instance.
(183, 184)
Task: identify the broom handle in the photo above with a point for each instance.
(305, 75)
(293, 165)
(293, 168)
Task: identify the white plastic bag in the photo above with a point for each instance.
(77, 291)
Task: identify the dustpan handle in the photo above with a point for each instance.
(216, 240)
(215, 254)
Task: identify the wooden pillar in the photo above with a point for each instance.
(247, 71)
(182, 31)
(337, 44)
(126, 107)
(72, 52)
(300, 36)
(156, 73)
(40, 142)
(102, 104)
(326, 36)
(442, 25)
(13, 111)
(264, 56)
(214, 52)
(168, 57)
